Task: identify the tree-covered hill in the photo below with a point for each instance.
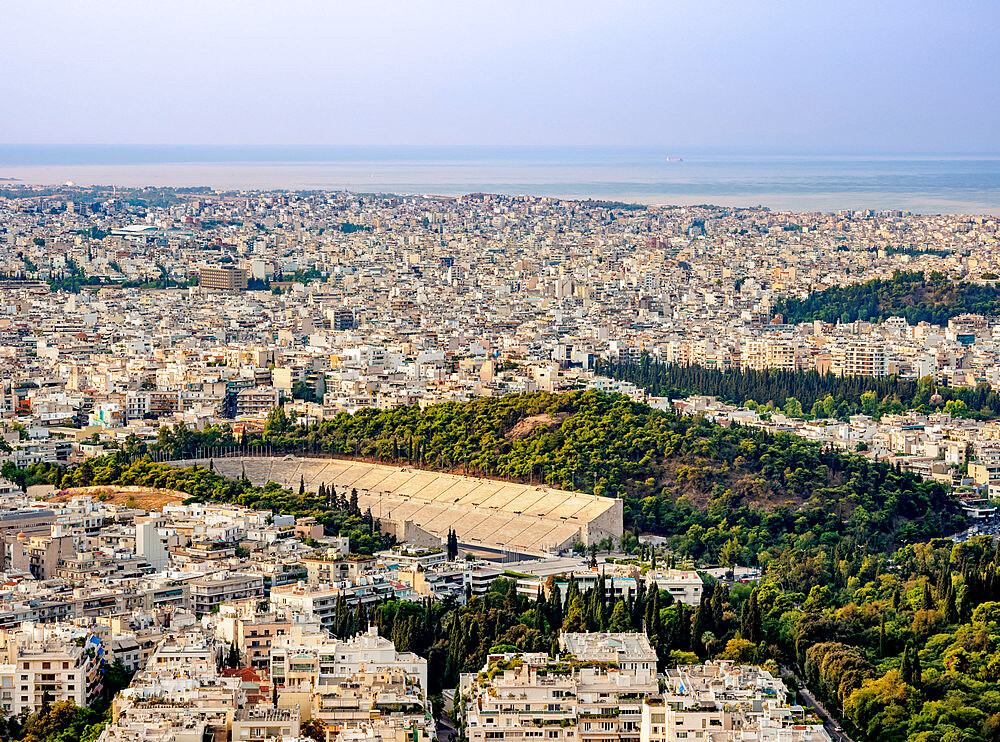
(706, 487)
(919, 298)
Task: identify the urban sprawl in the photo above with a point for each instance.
(130, 315)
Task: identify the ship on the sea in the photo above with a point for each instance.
(674, 159)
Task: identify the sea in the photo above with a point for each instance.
(925, 183)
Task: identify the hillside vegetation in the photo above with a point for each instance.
(904, 648)
(709, 488)
(912, 295)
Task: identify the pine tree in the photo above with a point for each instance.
(881, 636)
(302, 485)
(917, 676)
(928, 599)
(354, 501)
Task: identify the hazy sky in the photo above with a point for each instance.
(901, 76)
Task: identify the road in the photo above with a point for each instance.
(829, 721)
(445, 728)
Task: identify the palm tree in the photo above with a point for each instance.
(708, 639)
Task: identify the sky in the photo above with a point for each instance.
(919, 76)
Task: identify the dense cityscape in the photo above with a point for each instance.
(372, 468)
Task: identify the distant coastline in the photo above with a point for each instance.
(922, 183)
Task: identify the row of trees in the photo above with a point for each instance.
(806, 394)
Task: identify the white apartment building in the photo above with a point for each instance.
(685, 585)
(303, 660)
(45, 663)
(595, 696)
(725, 702)
(763, 353)
(859, 358)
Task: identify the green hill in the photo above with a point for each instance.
(914, 296)
(700, 484)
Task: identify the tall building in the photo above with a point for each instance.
(47, 664)
(859, 358)
(760, 354)
(343, 319)
(222, 278)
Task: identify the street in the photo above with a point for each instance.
(829, 721)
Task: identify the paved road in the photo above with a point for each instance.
(445, 729)
(829, 722)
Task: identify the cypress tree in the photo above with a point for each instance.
(639, 606)
(555, 605)
(572, 589)
(906, 667)
(750, 620)
(719, 601)
(652, 614)
(950, 606)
